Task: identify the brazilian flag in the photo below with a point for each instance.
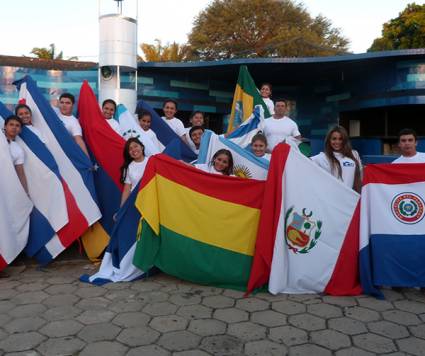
(245, 98)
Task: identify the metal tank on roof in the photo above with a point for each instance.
(118, 52)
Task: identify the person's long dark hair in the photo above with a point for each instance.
(127, 158)
(346, 151)
(229, 170)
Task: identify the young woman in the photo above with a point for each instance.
(12, 128)
(145, 122)
(134, 166)
(266, 92)
(259, 146)
(339, 159)
(108, 109)
(170, 109)
(195, 135)
(221, 163)
(196, 120)
(25, 114)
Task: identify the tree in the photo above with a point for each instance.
(262, 28)
(49, 53)
(405, 31)
(173, 52)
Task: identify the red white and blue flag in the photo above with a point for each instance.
(392, 229)
(307, 240)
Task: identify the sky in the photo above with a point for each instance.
(73, 25)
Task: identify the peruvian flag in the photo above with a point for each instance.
(308, 236)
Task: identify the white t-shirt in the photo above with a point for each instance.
(135, 172)
(267, 156)
(276, 130)
(419, 157)
(152, 135)
(176, 125)
(348, 166)
(115, 125)
(270, 105)
(36, 132)
(17, 153)
(190, 142)
(71, 124)
(207, 168)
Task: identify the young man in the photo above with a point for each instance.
(66, 105)
(407, 142)
(170, 108)
(278, 127)
(195, 134)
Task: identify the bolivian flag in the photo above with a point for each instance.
(244, 100)
(197, 226)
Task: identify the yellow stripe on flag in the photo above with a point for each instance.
(247, 105)
(95, 240)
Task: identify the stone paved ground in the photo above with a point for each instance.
(51, 313)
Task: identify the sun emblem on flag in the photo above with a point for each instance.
(303, 232)
(130, 133)
(242, 171)
(408, 208)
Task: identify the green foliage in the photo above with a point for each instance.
(404, 32)
(173, 52)
(50, 53)
(262, 28)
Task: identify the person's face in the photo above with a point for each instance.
(280, 108)
(259, 148)
(265, 91)
(135, 151)
(25, 115)
(336, 141)
(407, 145)
(66, 106)
(221, 162)
(197, 119)
(196, 137)
(169, 110)
(12, 129)
(145, 122)
(108, 110)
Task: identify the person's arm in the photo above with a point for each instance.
(21, 175)
(125, 193)
(80, 142)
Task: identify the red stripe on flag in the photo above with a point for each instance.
(269, 219)
(345, 279)
(235, 190)
(3, 263)
(394, 173)
(77, 223)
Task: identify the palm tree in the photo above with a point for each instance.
(173, 52)
(49, 53)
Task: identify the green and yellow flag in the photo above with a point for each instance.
(197, 226)
(244, 100)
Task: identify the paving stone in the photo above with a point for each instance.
(264, 347)
(252, 304)
(30, 297)
(289, 307)
(31, 287)
(3, 335)
(362, 314)
(129, 320)
(340, 301)
(288, 335)
(58, 279)
(104, 348)
(145, 286)
(218, 301)
(401, 317)
(120, 285)
(222, 345)
(4, 318)
(168, 323)
(121, 306)
(61, 328)
(235, 294)
(195, 312)
(24, 353)
(185, 299)
(6, 306)
(324, 310)
(21, 341)
(99, 332)
(62, 312)
(161, 308)
(61, 289)
(308, 349)
(388, 329)
(412, 345)
(60, 300)
(154, 296)
(90, 292)
(127, 294)
(95, 316)
(271, 297)
(9, 283)
(231, 315)
(6, 294)
(179, 341)
(410, 306)
(307, 322)
(347, 326)
(93, 303)
(207, 327)
(190, 353)
(61, 346)
(353, 351)
(268, 318)
(22, 325)
(391, 295)
(418, 331)
(375, 304)
(416, 295)
(330, 339)
(138, 336)
(150, 350)
(374, 343)
(247, 331)
(27, 310)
